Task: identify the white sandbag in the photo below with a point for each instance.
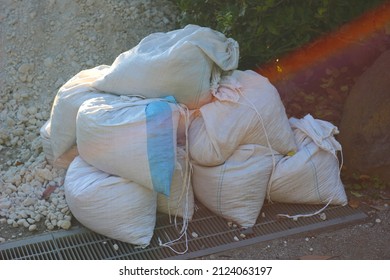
(180, 202)
(66, 104)
(185, 63)
(131, 137)
(65, 159)
(110, 205)
(247, 110)
(236, 189)
(312, 175)
(44, 134)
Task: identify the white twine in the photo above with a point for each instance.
(252, 106)
(295, 217)
(184, 194)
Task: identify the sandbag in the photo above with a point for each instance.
(180, 201)
(44, 133)
(110, 205)
(66, 104)
(247, 110)
(312, 175)
(65, 159)
(185, 63)
(130, 137)
(236, 189)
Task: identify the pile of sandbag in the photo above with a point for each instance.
(172, 120)
(121, 131)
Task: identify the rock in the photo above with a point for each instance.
(48, 62)
(5, 203)
(116, 247)
(365, 124)
(65, 224)
(26, 188)
(21, 222)
(32, 228)
(29, 201)
(26, 68)
(38, 218)
(45, 174)
(54, 222)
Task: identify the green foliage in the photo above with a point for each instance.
(266, 29)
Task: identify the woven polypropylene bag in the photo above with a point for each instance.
(185, 63)
(65, 106)
(131, 137)
(312, 175)
(110, 205)
(236, 189)
(247, 110)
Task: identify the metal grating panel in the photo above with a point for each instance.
(214, 235)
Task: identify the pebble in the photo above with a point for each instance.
(2, 239)
(378, 221)
(194, 234)
(48, 62)
(5, 204)
(323, 216)
(26, 68)
(65, 224)
(45, 174)
(116, 247)
(32, 227)
(235, 238)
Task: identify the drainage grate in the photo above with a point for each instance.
(214, 235)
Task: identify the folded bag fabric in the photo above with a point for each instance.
(110, 205)
(131, 137)
(185, 63)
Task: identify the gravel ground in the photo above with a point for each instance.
(42, 45)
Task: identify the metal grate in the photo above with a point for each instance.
(213, 235)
